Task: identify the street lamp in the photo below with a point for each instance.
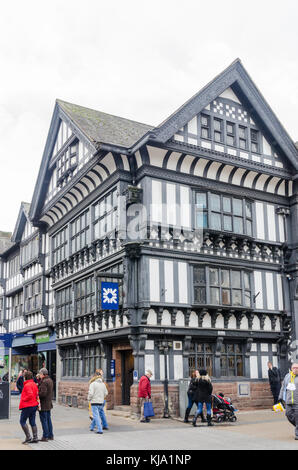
(164, 347)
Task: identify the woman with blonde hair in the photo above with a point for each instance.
(98, 375)
(203, 394)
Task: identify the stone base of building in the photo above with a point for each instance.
(75, 394)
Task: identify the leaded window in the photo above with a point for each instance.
(201, 357)
(85, 296)
(14, 265)
(91, 359)
(232, 360)
(221, 286)
(223, 213)
(71, 362)
(254, 137)
(67, 161)
(79, 232)
(105, 215)
(205, 126)
(30, 250)
(231, 138)
(218, 132)
(60, 246)
(242, 137)
(63, 304)
(17, 305)
(33, 296)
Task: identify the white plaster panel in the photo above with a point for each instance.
(169, 281)
(183, 283)
(154, 280)
(258, 288)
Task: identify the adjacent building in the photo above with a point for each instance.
(170, 248)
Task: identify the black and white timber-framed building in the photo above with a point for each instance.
(212, 273)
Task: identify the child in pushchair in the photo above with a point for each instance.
(223, 410)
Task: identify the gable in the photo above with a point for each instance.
(226, 125)
(232, 95)
(68, 156)
(23, 225)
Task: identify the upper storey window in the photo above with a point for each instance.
(243, 137)
(254, 137)
(67, 162)
(79, 232)
(218, 130)
(223, 213)
(60, 246)
(105, 215)
(205, 127)
(231, 133)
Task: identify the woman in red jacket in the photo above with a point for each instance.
(145, 393)
(28, 406)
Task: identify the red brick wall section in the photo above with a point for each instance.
(80, 391)
(260, 396)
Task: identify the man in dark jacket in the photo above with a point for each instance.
(45, 390)
(274, 381)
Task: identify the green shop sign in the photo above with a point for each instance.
(43, 337)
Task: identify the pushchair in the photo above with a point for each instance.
(223, 410)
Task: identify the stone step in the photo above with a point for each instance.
(122, 408)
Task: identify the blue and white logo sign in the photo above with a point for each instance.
(109, 296)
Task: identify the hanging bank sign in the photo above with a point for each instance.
(109, 296)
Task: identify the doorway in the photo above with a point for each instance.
(127, 368)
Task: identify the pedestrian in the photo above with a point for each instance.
(99, 373)
(274, 381)
(28, 406)
(190, 394)
(96, 396)
(203, 394)
(20, 380)
(289, 396)
(145, 393)
(45, 389)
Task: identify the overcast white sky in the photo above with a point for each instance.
(136, 59)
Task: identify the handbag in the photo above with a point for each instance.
(148, 409)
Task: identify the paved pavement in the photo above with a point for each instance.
(255, 430)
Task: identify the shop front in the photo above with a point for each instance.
(46, 350)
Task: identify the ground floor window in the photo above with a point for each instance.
(71, 363)
(201, 357)
(91, 360)
(231, 360)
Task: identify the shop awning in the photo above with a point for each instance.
(22, 341)
(51, 346)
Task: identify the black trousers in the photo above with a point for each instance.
(275, 390)
(292, 415)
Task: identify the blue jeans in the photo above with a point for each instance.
(200, 408)
(99, 418)
(46, 422)
(30, 413)
(190, 402)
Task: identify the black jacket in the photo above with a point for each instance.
(192, 387)
(203, 392)
(20, 383)
(274, 376)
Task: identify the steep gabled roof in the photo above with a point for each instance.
(95, 128)
(237, 78)
(105, 128)
(22, 219)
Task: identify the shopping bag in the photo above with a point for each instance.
(148, 409)
(90, 411)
